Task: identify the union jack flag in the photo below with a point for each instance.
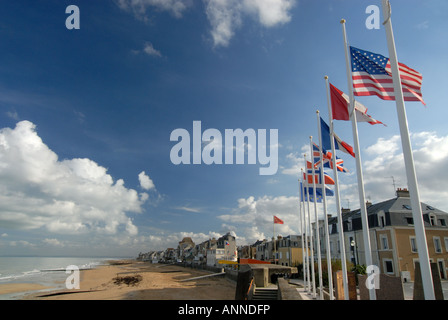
(327, 157)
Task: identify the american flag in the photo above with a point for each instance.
(372, 75)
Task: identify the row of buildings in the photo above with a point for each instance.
(392, 236)
(207, 253)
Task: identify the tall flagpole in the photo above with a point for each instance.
(324, 198)
(313, 278)
(306, 238)
(301, 230)
(319, 258)
(273, 231)
(362, 198)
(338, 200)
(420, 235)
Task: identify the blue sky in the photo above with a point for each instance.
(85, 112)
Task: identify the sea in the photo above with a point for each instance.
(47, 271)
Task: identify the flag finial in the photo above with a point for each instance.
(326, 77)
(342, 20)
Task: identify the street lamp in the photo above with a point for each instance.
(352, 245)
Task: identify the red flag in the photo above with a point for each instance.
(278, 220)
(339, 106)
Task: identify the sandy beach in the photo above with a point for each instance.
(156, 282)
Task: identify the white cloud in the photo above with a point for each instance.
(150, 51)
(430, 158)
(70, 196)
(53, 242)
(145, 181)
(226, 16)
(140, 7)
(188, 209)
(253, 219)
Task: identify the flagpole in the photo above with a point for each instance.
(361, 193)
(313, 278)
(273, 238)
(306, 238)
(338, 201)
(319, 258)
(420, 234)
(301, 230)
(324, 197)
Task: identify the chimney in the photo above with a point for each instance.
(402, 193)
(368, 204)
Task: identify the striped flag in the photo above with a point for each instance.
(372, 75)
(308, 176)
(327, 158)
(339, 107)
(338, 143)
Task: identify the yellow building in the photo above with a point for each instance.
(289, 251)
(392, 236)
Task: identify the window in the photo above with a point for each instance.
(429, 208)
(446, 244)
(349, 225)
(437, 245)
(388, 266)
(384, 242)
(410, 220)
(381, 220)
(408, 207)
(432, 219)
(413, 244)
(442, 222)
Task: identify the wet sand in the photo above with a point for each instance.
(157, 282)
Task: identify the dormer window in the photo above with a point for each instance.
(408, 207)
(432, 219)
(381, 220)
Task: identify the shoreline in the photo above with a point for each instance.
(155, 282)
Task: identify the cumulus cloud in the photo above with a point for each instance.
(145, 181)
(430, 158)
(226, 16)
(253, 219)
(70, 196)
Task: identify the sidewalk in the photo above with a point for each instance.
(408, 288)
(302, 290)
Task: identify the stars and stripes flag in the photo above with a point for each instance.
(339, 107)
(372, 75)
